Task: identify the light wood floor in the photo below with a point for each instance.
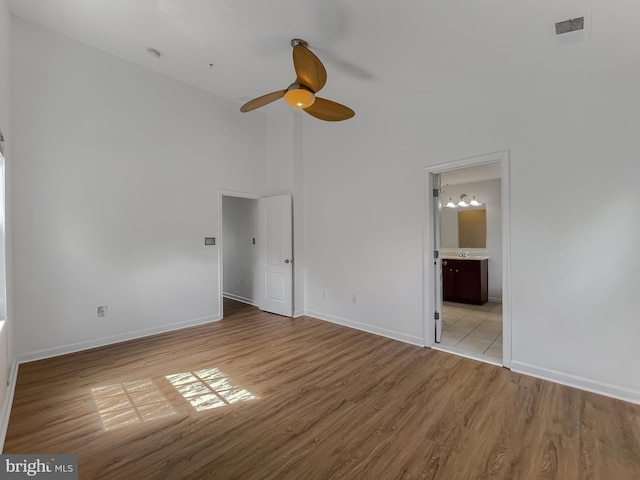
(274, 398)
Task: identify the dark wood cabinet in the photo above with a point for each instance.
(465, 280)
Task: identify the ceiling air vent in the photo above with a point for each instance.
(571, 25)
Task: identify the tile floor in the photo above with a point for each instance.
(473, 330)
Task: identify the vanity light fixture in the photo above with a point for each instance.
(463, 202)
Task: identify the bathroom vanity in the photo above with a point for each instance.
(465, 279)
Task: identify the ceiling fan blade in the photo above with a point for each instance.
(262, 101)
(329, 111)
(309, 69)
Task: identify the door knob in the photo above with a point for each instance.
(286, 260)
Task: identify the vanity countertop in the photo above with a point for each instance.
(456, 257)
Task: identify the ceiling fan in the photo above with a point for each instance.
(310, 78)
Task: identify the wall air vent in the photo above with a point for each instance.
(575, 30)
(571, 25)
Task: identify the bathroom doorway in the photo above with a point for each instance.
(466, 272)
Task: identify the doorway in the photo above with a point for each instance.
(466, 284)
(239, 252)
(256, 252)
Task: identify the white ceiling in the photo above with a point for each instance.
(375, 51)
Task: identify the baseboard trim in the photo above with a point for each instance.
(5, 412)
(298, 313)
(383, 332)
(575, 381)
(239, 298)
(104, 341)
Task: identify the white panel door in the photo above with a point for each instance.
(276, 254)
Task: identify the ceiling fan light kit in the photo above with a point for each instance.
(299, 97)
(310, 78)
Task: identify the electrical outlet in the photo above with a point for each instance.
(102, 311)
(354, 298)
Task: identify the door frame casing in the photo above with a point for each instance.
(429, 271)
(435, 184)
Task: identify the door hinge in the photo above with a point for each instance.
(436, 192)
(436, 254)
(436, 315)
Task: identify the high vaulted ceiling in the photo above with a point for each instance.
(400, 52)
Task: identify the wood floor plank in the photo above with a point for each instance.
(314, 401)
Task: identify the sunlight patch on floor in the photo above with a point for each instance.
(135, 402)
(208, 388)
(130, 402)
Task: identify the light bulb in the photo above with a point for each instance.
(451, 204)
(474, 202)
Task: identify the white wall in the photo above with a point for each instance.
(285, 169)
(116, 176)
(572, 134)
(488, 192)
(240, 254)
(364, 223)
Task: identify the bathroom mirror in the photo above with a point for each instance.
(472, 229)
(464, 228)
